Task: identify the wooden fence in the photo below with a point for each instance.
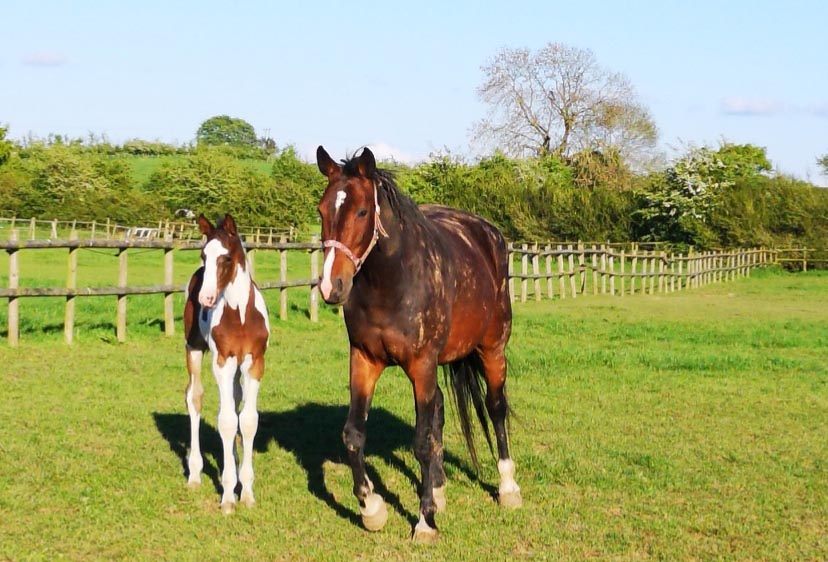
(548, 271)
(39, 229)
(122, 290)
(576, 269)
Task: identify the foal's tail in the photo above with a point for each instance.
(466, 383)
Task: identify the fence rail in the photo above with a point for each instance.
(535, 272)
(578, 269)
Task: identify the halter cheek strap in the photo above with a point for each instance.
(378, 230)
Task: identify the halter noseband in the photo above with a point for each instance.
(378, 229)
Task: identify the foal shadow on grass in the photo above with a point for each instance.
(312, 432)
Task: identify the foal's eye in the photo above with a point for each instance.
(362, 212)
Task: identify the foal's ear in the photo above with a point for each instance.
(326, 164)
(230, 226)
(204, 225)
(366, 164)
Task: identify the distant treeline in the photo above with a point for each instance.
(708, 197)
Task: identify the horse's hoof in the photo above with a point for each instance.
(228, 508)
(247, 500)
(374, 514)
(423, 534)
(512, 500)
(439, 495)
(194, 484)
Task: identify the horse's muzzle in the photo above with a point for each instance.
(337, 291)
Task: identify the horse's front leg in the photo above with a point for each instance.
(228, 426)
(252, 369)
(192, 397)
(428, 446)
(364, 375)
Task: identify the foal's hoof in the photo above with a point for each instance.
(247, 500)
(423, 534)
(439, 495)
(194, 484)
(374, 514)
(512, 500)
(228, 508)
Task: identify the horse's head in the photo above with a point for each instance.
(222, 255)
(351, 225)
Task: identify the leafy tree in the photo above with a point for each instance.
(558, 101)
(223, 130)
(5, 146)
(822, 162)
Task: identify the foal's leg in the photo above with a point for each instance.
(494, 365)
(427, 443)
(251, 373)
(228, 425)
(193, 396)
(364, 375)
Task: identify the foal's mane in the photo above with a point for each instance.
(403, 206)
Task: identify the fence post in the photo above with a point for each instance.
(511, 271)
(283, 304)
(14, 283)
(549, 283)
(524, 270)
(561, 271)
(581, 268)
(623, 278)
(32, 229)
(536, 271)
(571, 261)
(169, 316)
(594, 261)
(120, 329)
(71, 283)
(314, 292)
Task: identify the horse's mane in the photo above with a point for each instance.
(400, 203)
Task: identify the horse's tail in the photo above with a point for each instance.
(466, 383)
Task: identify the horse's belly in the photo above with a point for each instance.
(469, 325)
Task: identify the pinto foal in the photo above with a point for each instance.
(225, 314)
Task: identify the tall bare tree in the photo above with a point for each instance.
(559, 101)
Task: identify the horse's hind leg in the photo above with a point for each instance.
(192, 397)
(251, 374)
(494, 365)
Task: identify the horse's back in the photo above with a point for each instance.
(471, 239)
(481, 308)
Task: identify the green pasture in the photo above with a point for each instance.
(686, 426)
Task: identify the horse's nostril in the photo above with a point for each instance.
(340, 285)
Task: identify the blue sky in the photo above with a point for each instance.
(402, 77)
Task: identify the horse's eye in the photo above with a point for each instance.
(362, 213)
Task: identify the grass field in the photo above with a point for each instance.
(690, 426)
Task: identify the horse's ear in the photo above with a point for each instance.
(230, 225)
(204, 225)
(366, 164)
(326, 164)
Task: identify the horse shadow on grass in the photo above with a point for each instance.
(312, 432)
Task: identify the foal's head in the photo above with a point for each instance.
(350, 221)
(222, 256)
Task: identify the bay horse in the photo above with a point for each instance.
(226, 314)
(420, 287)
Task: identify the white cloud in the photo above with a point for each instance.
(819, 109)
(736, 105)
(45, 58)
(384, 151)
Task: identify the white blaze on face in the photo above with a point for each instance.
(340, 199)
(325, 284)
(209, 288)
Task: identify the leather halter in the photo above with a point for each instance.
(378, 230)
